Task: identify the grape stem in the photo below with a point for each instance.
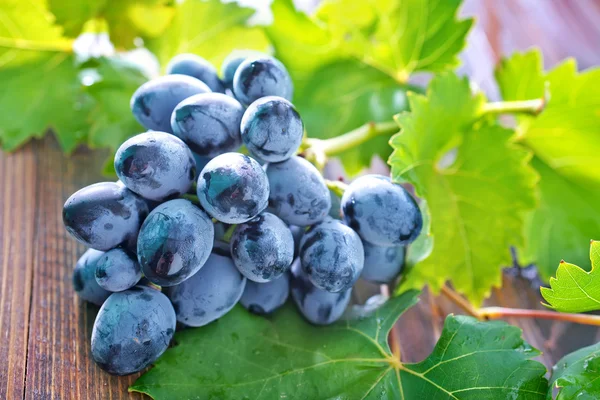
(490, 313)
(533, 107)
(337, 187)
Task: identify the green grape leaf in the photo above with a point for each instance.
(126, 19)
(209, 28)
(565, 139)
(242, 356)
(576, 375)
(398, 36)
(574, 289)
(361, 94)
(476, 181)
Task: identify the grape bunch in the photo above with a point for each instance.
(213, 206)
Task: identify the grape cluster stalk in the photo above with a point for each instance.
(214, 206)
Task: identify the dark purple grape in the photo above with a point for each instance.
(84, 281)
(258, 77)
(382, 264)
(117, 270)
(264, 298)
(197, 67)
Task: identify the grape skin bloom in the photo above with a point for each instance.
(381, 212)
(84, 280)
(104, 215)
(332, 255)
(153, 103)
(382, 264)
(208, 123)
(258, 77)
(155, 165)
(318, 306)
(117, 270)
(197, 67)
(265, 298)
(233, 61)
(210, 293)
(298, 193)
(272, 129)
(233, 188)
(174, 242)
(132, 329)
(262, 248)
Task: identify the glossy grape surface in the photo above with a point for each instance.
(104, 215)
(264, 298)
(155, 165)
(208, 123)
(383, 213)
(258, 77)
(84, 278)
(132, 329)
(233, 188)
(262, 248)
(117, 270)
(174, 242)
(316, 305)
(382, 264)
(197, 67)
(272, 129)
(210, 293)
(332, 255)
(298, 192)
(153, 103)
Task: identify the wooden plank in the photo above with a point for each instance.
(59, 364)
(17, 214)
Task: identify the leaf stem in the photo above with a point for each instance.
(533, 107)
(488, 313)
(59, 46)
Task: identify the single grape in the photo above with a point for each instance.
(298, 194)
(262, 248)
(197, 67)
(264, 298)
(382, 264)
(297, 232)
(332, 255)
(233, 61)
(174, 242)
(209, 123)
(155, 165)
(233, 188)
(132, 329)
(272, 129)
(210, 293)
(104, 215)
(318, 306)
(258, 77)
(117, 270)
(381, 212)
(84, 281)
(153, 103)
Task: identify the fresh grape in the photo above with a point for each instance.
(132, 329)
(382, 212)
(317, 306)
(117, 270)
(104, 215)
(272, 129)
(332, 255)
(197, 67)
(174, 242)
(382, 264)
(264, 298)
(258, 77)
(208, 123)
(262, 248)
(298, 194)
(84, 281)
(233, 61)
(153, 103)
(155, 165)
(233, 188)
(210, 293)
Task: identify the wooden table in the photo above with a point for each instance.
(45, 329)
